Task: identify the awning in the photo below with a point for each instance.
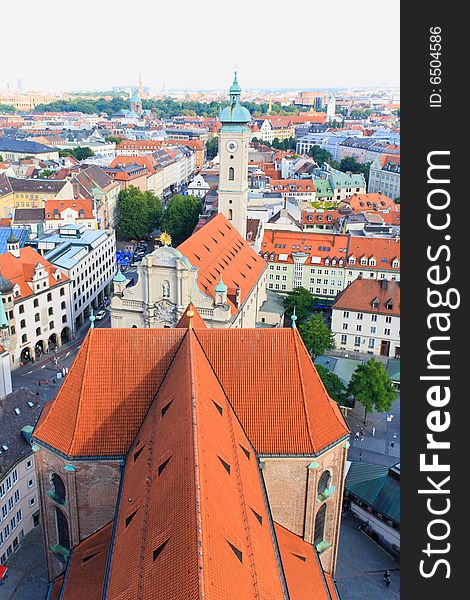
(3, 572)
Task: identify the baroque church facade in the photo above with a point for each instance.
(215, 269)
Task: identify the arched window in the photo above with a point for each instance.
(320, 526)
(231, 174)
(323, 483)
(230, 214)
(59, 488)
(63, 536)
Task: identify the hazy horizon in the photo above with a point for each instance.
(189, 47)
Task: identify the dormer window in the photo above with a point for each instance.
(341, 262)
(375, 303)
(333, 262)
(372, 262)
(363, 261)
(395, 264)
(352, 261)
(389, 304)
(327, 262)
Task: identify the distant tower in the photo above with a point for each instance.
(270, 105)
(234, 140)
(13, 244)
(331, 109)
(141, 87)
(136, 103)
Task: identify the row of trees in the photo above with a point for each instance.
(165, 108)
(7, 108)
(287, 144)
(140, 213)
(370, 383)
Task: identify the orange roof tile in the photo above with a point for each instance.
(361, 293)
(191, 447)
(86, 205)
(84, 421)
(85, 574)
(270, 379)
(20, 270)
(384, 251)
(218, 249)
(318, 245)
(304, 573)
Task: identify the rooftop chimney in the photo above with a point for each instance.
(384, 284)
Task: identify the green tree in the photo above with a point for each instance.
(138, 213)
(350, 164)
(372, 386)
(7, 108)
(212, 148)
(320, 155)
(45, 173)
(302, 299)
(316, 335)
(397, 200)
(333, 384)
(83, 153)
(114, 139)
(154, 210)
(180, 217)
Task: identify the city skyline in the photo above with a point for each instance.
(174, 53)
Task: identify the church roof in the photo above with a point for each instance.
(218, 249)
(266, 374)
(192, 515)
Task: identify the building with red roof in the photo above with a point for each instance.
(36, 298)
(175, 478)
(326, 262)
(70, 212)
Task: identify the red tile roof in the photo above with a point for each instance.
(218, 249)
(267, 375)
(382, 249)
(85, 575)
(171, 513)
(86, 205)
(82, 420)
(192, 518)
(304, 574)
(361, 293)
(318, 245)
(20, 270)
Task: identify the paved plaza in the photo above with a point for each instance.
(361, 565)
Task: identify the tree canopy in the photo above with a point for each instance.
(180, 217)
(80, 153)
(333, 384)
(7, 108)
(139, 213)
(320, 155)
(371, 385)
(212, 148)
(302, 299)
(316, 335)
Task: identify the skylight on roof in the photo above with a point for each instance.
(225, 465)
(238, 553)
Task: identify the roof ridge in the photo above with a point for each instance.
(296, 334)
(82, 385)
(189, 335)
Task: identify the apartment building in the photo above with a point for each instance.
(366, 317)
(87, 257)
(19, 493)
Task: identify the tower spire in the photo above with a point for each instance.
(294, 319)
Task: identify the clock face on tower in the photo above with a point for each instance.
(231, 146)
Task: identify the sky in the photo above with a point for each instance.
(191, 44)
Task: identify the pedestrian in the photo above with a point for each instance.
(356, 437)
(39, 383)
(47, 382)
(361, 432)
(373, 431)
(387, 579)
(53, 381)
(37, 393)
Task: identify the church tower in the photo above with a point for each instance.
(234, 139)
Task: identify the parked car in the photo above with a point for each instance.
(101, 314)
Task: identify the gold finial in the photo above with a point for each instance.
(190, 314)
(165, 239)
